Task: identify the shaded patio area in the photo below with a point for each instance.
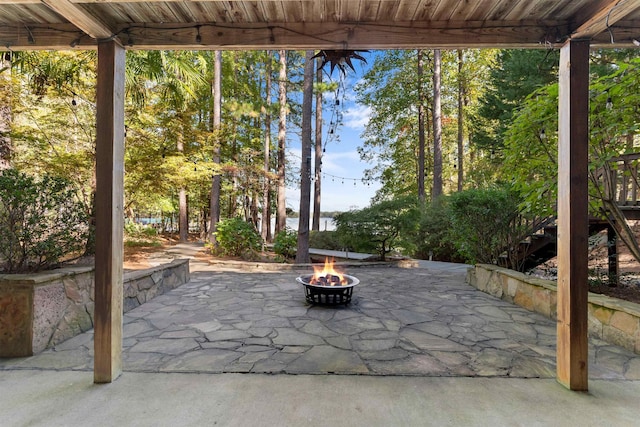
(423, 322)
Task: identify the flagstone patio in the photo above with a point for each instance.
(408, 322)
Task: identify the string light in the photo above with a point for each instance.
(345, 178)
(30, 38)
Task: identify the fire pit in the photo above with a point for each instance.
(327, 286)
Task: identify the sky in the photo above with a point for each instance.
(341, 164)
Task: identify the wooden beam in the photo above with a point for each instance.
(610, 12)
(80, 18)
(573, 215)
(109, 212)
(169, 1)
(310, 35)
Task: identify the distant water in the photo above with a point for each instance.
(326, 224)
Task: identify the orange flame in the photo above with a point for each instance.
(327, 275)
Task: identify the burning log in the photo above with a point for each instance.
(328, 276)
(327, 286)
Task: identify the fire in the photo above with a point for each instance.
(328, 276)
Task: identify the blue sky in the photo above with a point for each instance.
(341, 163)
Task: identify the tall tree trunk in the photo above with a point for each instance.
(5, 110)
(302, 254)
(233, 194)
(265, 228)
(437, 126)
(281, 214)
(461, 103)
(421, 139)
(317, 189)
(216, 120)
(183, 209)
(253, 210)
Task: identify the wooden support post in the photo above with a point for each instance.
(109, 212)
(573, 215)
(612, 252)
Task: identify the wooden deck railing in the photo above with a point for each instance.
(622, 186)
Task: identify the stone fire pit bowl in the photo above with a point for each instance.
(327, 294)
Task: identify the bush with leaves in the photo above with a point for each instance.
(41, 222)
(236, 237)
(482, 222)
(379, 228)
(135, 230)
(433, 237)
(140, 235)
(325, 240)
(285, 243)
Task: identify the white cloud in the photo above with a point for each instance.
(341, 162)
(357, 117)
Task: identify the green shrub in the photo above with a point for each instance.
(144, 243)
(325, 240)
(40, 222)
(433, 237)
(285, 243)
(482, 222)
(379, 228)
(236, 237)
(135, 230)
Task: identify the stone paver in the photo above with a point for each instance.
(414, 322)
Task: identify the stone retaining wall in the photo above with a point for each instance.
(40, 310)
(611, 319)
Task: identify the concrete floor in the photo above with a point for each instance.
(69, 398)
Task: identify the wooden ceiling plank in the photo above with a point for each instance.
(369, 11)
(80, 18)
(387, 9)
(461, 10)
(444, 9)
(29, 14)
(522, 10)
(605, 17)
(406, 10)
(350, 10)
(292, 11)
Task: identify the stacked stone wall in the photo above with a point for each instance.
(38, 311)
(611, 319)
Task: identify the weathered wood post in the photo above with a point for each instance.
(573, 215)
(109, 211)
